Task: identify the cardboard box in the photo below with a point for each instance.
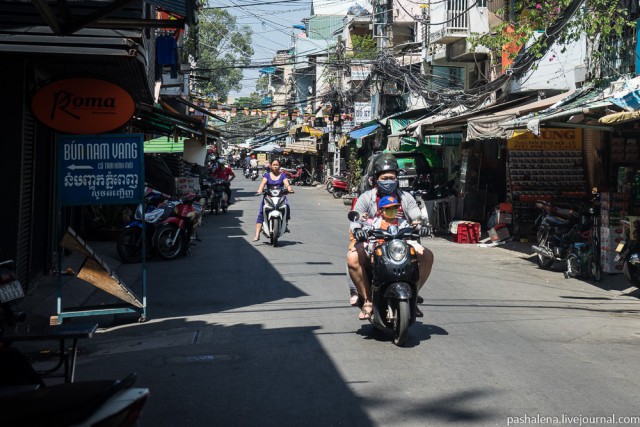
(634, 227)
(499, 232)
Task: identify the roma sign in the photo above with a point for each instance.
(83, 106)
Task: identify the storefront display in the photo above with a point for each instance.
(545, 167)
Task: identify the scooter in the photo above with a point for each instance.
(628, 251)
(340, 187)
(173, 236)
(25, 400)
(253, 174)
(567, 235)
(274, 213)
(219, 201)
(393, 278)
(129, 243)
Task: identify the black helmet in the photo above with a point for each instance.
(384, 163)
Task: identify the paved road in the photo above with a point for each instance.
(244, 334)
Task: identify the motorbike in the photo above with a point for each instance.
(219, 200)
(274, 213)
(150, 214)
(330, 179)
(393, 277)
(247, 172)
(628, 251)
(173, 235)
(25, 399)
(340, 187)
(253, 174)
(300, 176)
(567, 235)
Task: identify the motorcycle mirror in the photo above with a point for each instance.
(353, 216)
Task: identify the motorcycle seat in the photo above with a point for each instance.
(557, 222)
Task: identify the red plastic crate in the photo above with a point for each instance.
(468, 232)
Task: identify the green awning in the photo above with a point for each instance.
(164, 145)
(444, 139)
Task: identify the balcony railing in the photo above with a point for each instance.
(456, 25)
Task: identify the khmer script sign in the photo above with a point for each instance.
(100, 169)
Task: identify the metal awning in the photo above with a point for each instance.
(164, 145)
(267, 148)
(158, 120)
(488, 126)
(363, 132)
(586, 102)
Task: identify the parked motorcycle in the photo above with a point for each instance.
(628, 251)
(25, 399)
(300, 176)
(567, 235)
(219, 201)
(393, 277)
(340, 187)
(173, 236)
(330, 179)
(274, 213)
(151, 213)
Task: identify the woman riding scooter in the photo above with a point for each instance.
(274, 177)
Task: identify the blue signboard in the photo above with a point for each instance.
(100, 169)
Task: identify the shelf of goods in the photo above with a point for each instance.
(551, 175)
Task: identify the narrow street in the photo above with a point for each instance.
(244, 334)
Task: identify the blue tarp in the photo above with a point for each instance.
(361, 133)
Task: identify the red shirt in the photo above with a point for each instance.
(224, 173)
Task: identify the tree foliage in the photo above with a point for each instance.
(597, 20)
(364, 47)
(223, 44)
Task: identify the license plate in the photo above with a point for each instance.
(620, 246)
(10, 291)
(404, 183)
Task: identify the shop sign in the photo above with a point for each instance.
(83, 106)
(100, 169)
(361, 112)
(549, 139)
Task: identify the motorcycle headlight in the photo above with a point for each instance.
(397, 250)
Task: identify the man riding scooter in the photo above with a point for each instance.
(386, 184)
(222, 171)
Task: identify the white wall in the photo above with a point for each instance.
(556, 70)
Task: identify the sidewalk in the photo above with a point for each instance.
(40, 302)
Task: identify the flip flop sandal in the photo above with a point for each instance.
(354, 300)
(366, 314)
(255, 240)
(419, 313)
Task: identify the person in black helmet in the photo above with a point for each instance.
(385, 171)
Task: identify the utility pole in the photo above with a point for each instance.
(426, 36)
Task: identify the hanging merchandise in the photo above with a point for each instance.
(166, 54)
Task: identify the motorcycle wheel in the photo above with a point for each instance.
(595, 271)
(253, 178)
(544, 263)
(401, 323)
(129, 245)
(329, 186)
(631, 273)
(164, 237)
(337, 194)
(308, 181)
(275, 233)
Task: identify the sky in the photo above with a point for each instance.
(271, 25)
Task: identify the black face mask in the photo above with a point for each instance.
(387, 187)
